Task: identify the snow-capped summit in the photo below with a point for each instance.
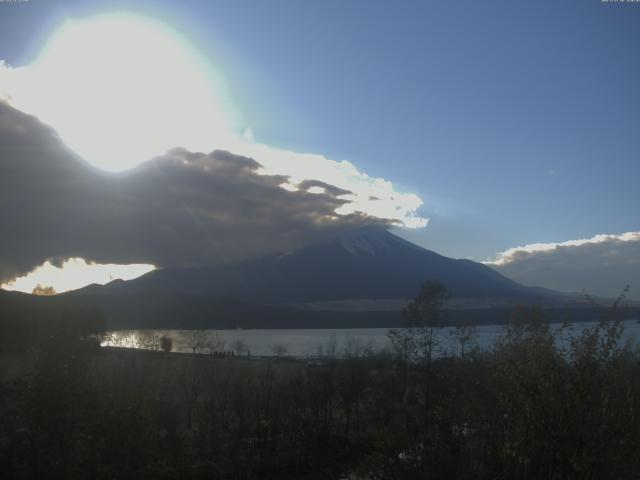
(371, 263)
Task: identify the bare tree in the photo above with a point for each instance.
(356, 348)
(45, 291)
(425, 315)
(196, 340)
(279, 350)
(416, 343)
(464, 333)
(329, 350)
(239, 346)
(166, 343)
(215, 342)
(147, 339)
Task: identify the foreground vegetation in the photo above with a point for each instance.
(532, 407)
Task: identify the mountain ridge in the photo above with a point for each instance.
(364, 279)
(370, 263)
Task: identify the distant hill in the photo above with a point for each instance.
(359, 280)
(370, 264)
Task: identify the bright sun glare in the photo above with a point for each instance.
(75, 273)
(121, 89)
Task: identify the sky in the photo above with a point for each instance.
(493, 125)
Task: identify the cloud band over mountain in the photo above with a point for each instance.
(179, 209)
(117, 112)
(602, 265)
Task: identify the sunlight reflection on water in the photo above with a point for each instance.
(314, 342)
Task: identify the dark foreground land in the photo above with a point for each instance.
(70, 410)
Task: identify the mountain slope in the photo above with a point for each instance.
(372, 264)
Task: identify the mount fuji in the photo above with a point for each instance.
(369, 264)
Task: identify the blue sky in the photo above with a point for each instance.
(515, 122)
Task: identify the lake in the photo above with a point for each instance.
(314, 342)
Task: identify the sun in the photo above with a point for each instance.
(120, 90)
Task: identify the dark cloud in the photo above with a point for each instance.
(179, 209)
(602, 265)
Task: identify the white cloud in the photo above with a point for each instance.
(601, 265)
(374, 196)
(518, 253)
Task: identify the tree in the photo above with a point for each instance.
(215, 342)
(45, 291)
(464, 333)
(424, 315)
(166, 343)
(196, 339)
(279, 350)
(239, 346)
(148, 340)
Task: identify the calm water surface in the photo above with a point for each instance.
(316, 342)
